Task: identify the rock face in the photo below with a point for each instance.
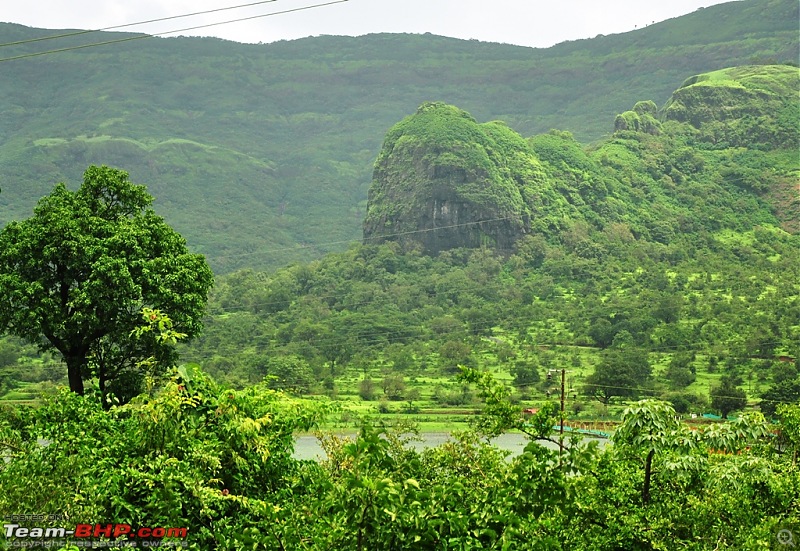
(444, 181)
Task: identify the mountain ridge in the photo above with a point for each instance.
(288, 131)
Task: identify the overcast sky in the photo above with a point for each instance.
(539, 23)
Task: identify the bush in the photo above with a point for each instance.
(366, 390)
(453, 395)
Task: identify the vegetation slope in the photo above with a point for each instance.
(262, 154)
(669, 254)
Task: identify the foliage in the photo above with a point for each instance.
(667, 307)
(789, 415)
(649, 428)
(727, 397)
(216, 461)
(526, 373)
(674, 260)
(177, 456)
(647, 256)
(785, 389)
(500, 415)
(752, 100)
(621, 372)
(75, 277)
(441, 162)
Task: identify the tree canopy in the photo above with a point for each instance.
(76, 275)
(727, 397)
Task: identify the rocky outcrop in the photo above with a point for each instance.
(444, 181)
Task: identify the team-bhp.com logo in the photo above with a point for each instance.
(123, 535)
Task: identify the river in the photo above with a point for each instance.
(308, 447)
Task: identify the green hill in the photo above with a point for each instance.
(444, 181)
(262, 154)
(663, 248)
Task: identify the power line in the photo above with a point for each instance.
(381, 295)
(369, 240)
(379, 292)
(141, 36)
(642, 390)
(374, 239)
(82, 32)
(494, 286)
(645, 390)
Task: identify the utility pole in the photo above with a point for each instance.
(561, 424)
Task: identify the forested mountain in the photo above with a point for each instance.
(262, 154)
(660, 260)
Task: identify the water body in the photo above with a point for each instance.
(308, 447)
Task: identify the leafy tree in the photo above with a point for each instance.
(525, 372)
(727, 397)
(76, 275)
(394, 386)
(289, 372)
(684, 401)
(499, 415)
(480, 320)
(679, 377)
(648, 427)
(455, 353)
(602, 332)
(193, 446)
(9, 353)
(401, 356)
(786, 391)
(446, 326)
(681, 373)
(621, 372)
(790, 427)
(335, 346)
(532, 249)
(366, 389)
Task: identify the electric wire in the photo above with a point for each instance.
(124, 25)
(381, 296)
(642, 390)
(496, 287)
(141, 36)
(381, 336)
(374, 239)
(372, 338)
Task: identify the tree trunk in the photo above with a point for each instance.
(102, 380)
(75, 372)
(648, 472)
